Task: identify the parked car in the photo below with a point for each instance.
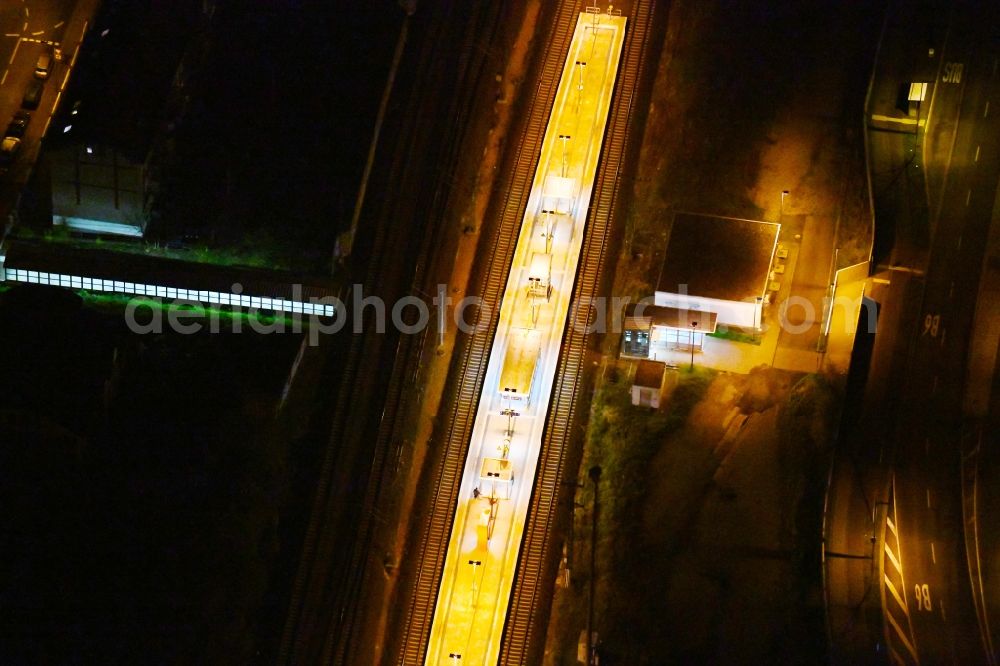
(33, 94)
(43, 67)
(9, 148)
(18, 124)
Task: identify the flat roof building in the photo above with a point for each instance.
(719, 265)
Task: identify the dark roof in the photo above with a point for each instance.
(146, 269)
(649, 374)
(124, 74)
(644, 317)
(717, 257)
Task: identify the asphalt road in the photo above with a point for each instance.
(926, 501)
(896, 563)
(27, 29)
(928, 607)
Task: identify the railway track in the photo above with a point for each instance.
(323, 606)
(523, 637)
(474, 351)
(524, 632)
(364, 563)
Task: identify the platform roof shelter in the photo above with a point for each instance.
(520, 359)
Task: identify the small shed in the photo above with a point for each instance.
(496, 477)
(648, 383)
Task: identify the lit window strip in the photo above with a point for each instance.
(214, 297)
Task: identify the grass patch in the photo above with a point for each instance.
(735, 335)
(622, 439)
(257, 251)
(116, 304)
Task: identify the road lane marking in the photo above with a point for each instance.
(944, 333)
(895, 562)
(24, 28)
(906, 269)
(62, 86)
(976, 158)
(892, 526)
(26, 13)
(901, 121)
(17, 34)
(958, 246)
(929, 490)
(968, 196)
(902, 636)
(895, 594)
(5, 73)
(987, 109)
(934, 559)
(944, 616)
(55, 104)
(896, 658)
(16, 46)
(40, 32)
(58, 25)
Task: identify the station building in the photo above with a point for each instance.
(716, 271)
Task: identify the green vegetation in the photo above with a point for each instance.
(257, 250)
(709, 509)
(735, 335)
(622, 439)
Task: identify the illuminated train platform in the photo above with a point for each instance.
(490, 516)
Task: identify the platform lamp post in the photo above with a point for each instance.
(694, 326)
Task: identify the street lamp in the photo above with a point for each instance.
(694, 325)
(473, 564)
(595, 475)
(758, 314)
(564, 138)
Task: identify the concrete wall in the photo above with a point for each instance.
(730, 313)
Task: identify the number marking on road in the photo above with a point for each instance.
(952, 72)
(931, 324)
(923, 594)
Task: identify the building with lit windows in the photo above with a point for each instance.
(716, 272)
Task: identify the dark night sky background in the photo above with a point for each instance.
(141, 496)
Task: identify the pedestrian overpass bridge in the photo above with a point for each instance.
(103, 271)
